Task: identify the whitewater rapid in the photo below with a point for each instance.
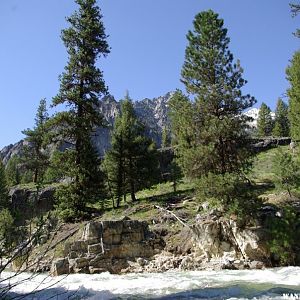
(279, 283)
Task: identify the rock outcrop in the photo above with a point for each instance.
(220, 239)
(263, 144)
(27, 203)
(9, 151)
(108, 246)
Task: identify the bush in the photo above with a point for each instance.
(286, 169)
(229, 192)
(7, 229)
(70, 207)
(284, 233)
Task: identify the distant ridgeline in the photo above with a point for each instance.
(152, 112)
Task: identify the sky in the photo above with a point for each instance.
(147, 40)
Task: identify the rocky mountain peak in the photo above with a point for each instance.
(152, 112)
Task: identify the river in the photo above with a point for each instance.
(278, 283)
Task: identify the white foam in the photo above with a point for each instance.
(106, 286)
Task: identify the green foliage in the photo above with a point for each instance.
(284, 232)
(295, 9)
(210, 132)
(281, 124)
(132, 163)
(12, 171)
(264, 122)
(229, 192)
(70, 204)
(81, 85)
(176, 174)
(165, 137)
(293, 76)
(3, 187)
(183, 129)
(88, 186)
(263, 169)
(35, 157)
(7, 230)
(287, 172)
(54, 172)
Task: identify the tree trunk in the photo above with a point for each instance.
(132, 194)
(132, 189)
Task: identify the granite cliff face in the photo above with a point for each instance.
(152, 112)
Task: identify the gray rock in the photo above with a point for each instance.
(28, 204)
(95, 248)
(220, 238)
(92, 231)
(120, 241)
(256, 265)
(141, 261)
(81, 262)
(60, 267)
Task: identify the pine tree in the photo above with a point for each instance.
(132, 163)
(7, 226)
(218, 142)
(3, 187)
(165, 137)
(264, 121)
(81, 86)
(281, 123)
(35, 156)
(293, 76)
(183, 132)
(286, 169)
(12, 171)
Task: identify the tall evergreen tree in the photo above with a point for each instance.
(184, 131)
(35, 156)
(219, 141)
(3, 187)
(264, 122)
(281, 124)
(81, 86)
(132, 163)
(293, 76)
(12, 171)
(165, 137)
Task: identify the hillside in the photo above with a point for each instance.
(173, 217)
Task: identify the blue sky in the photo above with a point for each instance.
(147, 40)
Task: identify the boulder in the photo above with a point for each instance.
(60, 267)
(91, 231)
(28, 204)
(95, 248)
(225, 240)
(256, 265)
(107, 246)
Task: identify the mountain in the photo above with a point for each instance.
(253, 113)
(152, 112)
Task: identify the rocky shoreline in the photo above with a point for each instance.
(126, 246)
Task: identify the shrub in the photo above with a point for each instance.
(229, 192)
(286, 169)
(284, 233)
(6, 229)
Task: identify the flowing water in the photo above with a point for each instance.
(279, 283)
